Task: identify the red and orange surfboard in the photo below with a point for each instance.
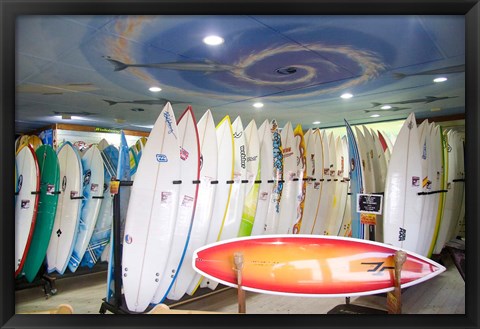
(311, 265)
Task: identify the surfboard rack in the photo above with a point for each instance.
(117, 304)
(394, 298)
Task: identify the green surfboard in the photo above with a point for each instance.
(47, 206)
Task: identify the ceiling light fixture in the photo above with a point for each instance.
(386, 107)
(346, 96)
(155, 89)
(316, 122)
(258, 105)
(374, 115)
(213, 40)
(440, 79)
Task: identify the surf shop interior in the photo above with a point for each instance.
(332, 127)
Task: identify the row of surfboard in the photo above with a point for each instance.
(228, 182)
(422, 183)
(63, 206)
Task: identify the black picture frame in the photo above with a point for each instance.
(10, 9)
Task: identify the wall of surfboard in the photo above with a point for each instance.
(198, 182)
(63, 213)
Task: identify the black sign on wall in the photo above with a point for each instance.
(369, 203)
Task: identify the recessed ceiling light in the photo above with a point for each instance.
(346, 96)
(258, 105)
(386, 107)
(374, 115)
(155, 89)
(316, 122)
(213, 40)
(70, 117)
(440, 79)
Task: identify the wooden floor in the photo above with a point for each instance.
(444, 294)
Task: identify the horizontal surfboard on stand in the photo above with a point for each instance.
(311, 265)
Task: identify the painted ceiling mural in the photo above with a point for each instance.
(100, 68)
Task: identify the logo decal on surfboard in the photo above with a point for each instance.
(187, 201)
(50, 189)
(166, 197)
(402, 234)
(183, 153)
(162, 158)
(64, 183)
(243, 156)
(20, 182)
(415, 181)
(168, 120)
(25, 204)
(128, 239)
(86, 178)
(237, 135)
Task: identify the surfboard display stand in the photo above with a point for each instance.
(117, 304)
(394, 298)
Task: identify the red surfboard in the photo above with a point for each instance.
(311, 265)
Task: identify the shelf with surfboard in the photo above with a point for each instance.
(63, 213)
(280, 184)
(198, 184)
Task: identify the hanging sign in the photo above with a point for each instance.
(369, 203)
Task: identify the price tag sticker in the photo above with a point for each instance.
(368, 219)
(114, 186)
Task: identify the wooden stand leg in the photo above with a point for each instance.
(238, 260)
(394, 298)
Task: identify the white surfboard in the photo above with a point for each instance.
(102, 144)
(321, 220)
(311, 194)
(456, 166)
(226, 155)
(379, 182)
(190, 172)
(253, 175)
(426, 183)
(67, 217)
(449, 200)
(430, 207)
(288, 206)
(233, 215)
(102, 231)
(403, 205)
(266, 177)
(93, 179)
(301, 173)
(112, 153)
(460, 229)
(381, 161)
(341, 189)
(368, 174)
(204, 206)
(26, 202)
(346, 221)
(151, 213)
(273, 212)
(334, 186)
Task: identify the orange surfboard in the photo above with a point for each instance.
(311, 265)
